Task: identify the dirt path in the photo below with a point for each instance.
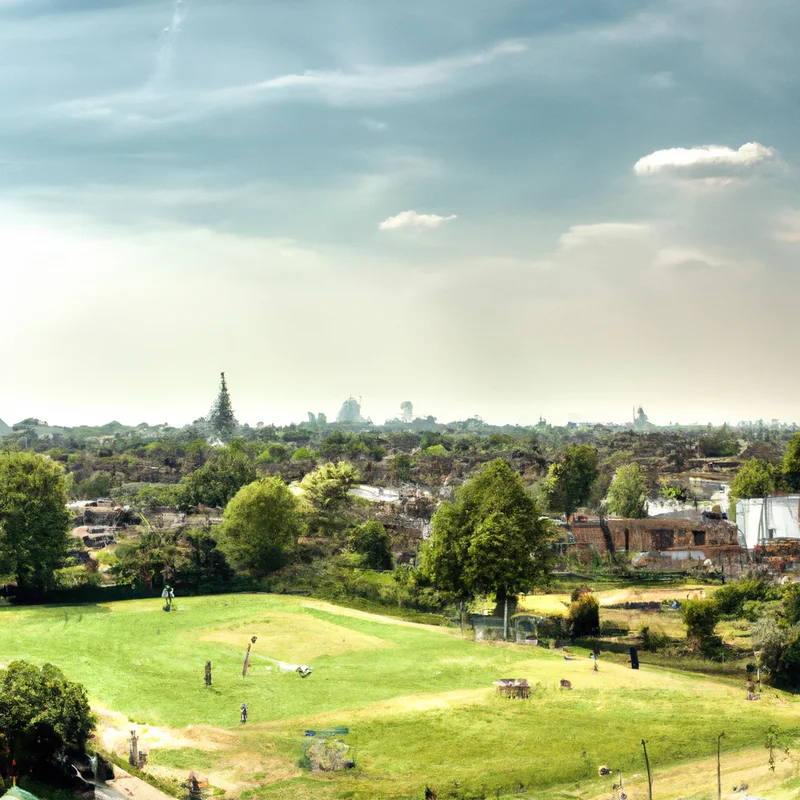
(135, 788)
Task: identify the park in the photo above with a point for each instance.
(417, 702)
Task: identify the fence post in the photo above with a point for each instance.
(719, 770)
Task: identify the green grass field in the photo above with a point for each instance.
(418, 700)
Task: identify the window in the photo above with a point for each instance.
(699, 538)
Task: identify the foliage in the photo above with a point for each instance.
(34, 520)
(221, 417)
(490, 539)
(754, 479)
(219, 479)
(718, 442)
(326, 497)
(345, 444)
(402, 468)
(700, 618)
(779, 651)
(42, 715)
(302, 454)
(791, 464)
(274, 453)
(98, 485)
(731, 597)
(570, 480)
(627, 496)
(261, 526)
(584, 616)
(579, 591)
(652, 640)
(371, 541)
(328, 754)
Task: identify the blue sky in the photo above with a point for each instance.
(505, 208)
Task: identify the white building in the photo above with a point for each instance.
(780, 520)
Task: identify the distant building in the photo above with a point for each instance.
(759, 525)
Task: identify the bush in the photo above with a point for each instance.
(701, 618)
(653, 640)
(580, 591)
(372, 542)
(584, 616)
(731, 598)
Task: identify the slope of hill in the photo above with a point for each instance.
(4, 429)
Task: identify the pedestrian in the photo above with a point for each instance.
(208, 673)
(244, 713)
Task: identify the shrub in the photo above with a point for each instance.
(700, 618)
(652, 640)
(584, 616)
(372, 542)
(580, 591)
(731, 598)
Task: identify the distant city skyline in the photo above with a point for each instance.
(497, 208)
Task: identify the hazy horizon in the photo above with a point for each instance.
(506, 209)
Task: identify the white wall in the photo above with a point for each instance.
(782, 515)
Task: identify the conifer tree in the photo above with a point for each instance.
(221, 417)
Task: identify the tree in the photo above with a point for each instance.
(326, 497)
(42, 716)
(791, 464)
(221, 417)
(34, 520)
(627, 495)
(490, 539)
(371, 541)
(219, 478)
(261, 526)
(570, 480)
(754, 479)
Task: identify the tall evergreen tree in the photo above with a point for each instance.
(221, 417)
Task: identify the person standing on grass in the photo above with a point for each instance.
(244, 713)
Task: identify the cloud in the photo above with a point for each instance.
(374, 124)
(601, 233)
(715, 163)
(790, 231)
(414, 220)
(363, 86)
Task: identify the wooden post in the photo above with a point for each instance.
(649, 777)
(719, 770)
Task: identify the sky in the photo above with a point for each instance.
(511, 209)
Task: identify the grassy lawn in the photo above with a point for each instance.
(418, 700)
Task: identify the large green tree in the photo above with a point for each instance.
(42, 716)
(754, 479)
(34, 520)
(327, 499)
(791, 464)
(261, 526)
(627, 495)
(221, 416)
(570, 480)
(490, 540)
(218, 480)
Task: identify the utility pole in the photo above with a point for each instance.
(649, 777)
(719, 770)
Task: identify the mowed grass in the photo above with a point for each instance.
(419, 702)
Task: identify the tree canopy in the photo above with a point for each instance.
(791, 464)
(490, 539)
(42, 715)
(34, 520)
(372, 542)
(218, 480)
(570, 480)
(261, 526)
(326, 496)
(627, 495)
(754, 479)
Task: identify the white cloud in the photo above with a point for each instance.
(790, 231)
(710, 162)
(374, 124)
(660, 80)
(693, 259)
(414, 220)
(601, 233)
(362, 86)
